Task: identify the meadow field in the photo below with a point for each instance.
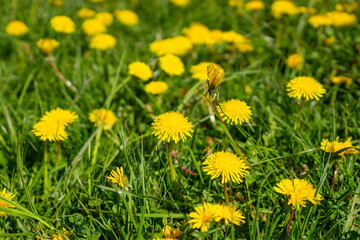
(179, 119)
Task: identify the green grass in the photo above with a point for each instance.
(81, 199)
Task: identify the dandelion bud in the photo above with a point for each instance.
(215, 74)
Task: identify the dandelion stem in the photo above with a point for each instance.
(300, 111)
(170, 162)
(45, 170)
(289, 225)
(226, 194)
(335, 175)
(58, 154)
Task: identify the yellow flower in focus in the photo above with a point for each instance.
(177, 45)
(319, 20)
(215, 75)
(295, 60)
(127, 17)
(172, 126)
(342, 79)
(47, 45)
(102, 41)
(203, 216)
(62, 24)
(170, 232)
(3, 204)
(230, 214)
(305, 87)
(283, 7)
(298, 191)
(102, 115)
(93, 26)
(48, 130)
(85, 13)
(199, 71)
(180, 3)
(226, 164)
(336, 146)
(105, 17)
(60, 116)
(117, 177)
(16, 28)
(236, 3)
(340, 19)
(140, 70)
(156, 87)
(197, 33)
(330, 40)
(172, 65)
(235, 111)
(254, 5)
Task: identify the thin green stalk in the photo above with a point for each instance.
(58, 154)
(300, 111)
(96, 147)
(173, 177)
(226, 195)
(45, 170)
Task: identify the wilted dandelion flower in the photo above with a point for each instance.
(342, 79)
(170, 232)
(85, 13)
(102, 41)
(156, 87)
(283, 7)
(172, 65)
(179, 45)
(215, 74)
(102, 115)
(180, 3)
(226, 164)
(4, 204)
(93, 26)
(60, 116)
(305, 87)
(298, 191)
(47, 45)
(340, 19)
(199, 71)
(49, 130)
(319, 20)
(172, 126)
(230, 214)
(140, 70)
(16, 28)
(336, 146)
(127, 17)
(105, 18)
(254, 5)
(62, 24)
(203, 216)
(117, 177)
(295, 60)
(235, 111)
(197, 33)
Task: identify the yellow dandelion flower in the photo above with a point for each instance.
(93, 26)
(340, 19)
(244, 46)
(85, 13)
(336, 146)
(102, 41)
(307, 10)
(170, 232)
(216, 37)
(226, 164)
(235, 111)
(105, 18)
(199, 71)
(283, 7)
(202, 217)
(177, 45)
(127, 17)
(102, 115)
(180, 3)
(156, 87)
(233, 37)
(4, 204)
(60, 116)
(197, 33)
(236, 3)
(295, 60)
(57, 3)
(305, 87)
(342, 79)
(49, 130)
(215, 75)
(117, 177)
(319, 20)
(298, 191)
(140, 70)
(47, 45)
(172, 126)
(254, 5)
(172, 65)
(16, 28)
(230, 214)
(62, 24)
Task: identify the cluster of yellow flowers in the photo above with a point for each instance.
(335, 18)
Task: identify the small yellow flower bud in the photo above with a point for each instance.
(215, 74)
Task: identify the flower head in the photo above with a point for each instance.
(342, 79)
(16, 28)
(172, 65)
(4, 204)
(319, 20)
(117, 177)
(47, 45)
(102, 41)
(49, 130)
(298, 191)
(236, 3)
(105, 18)
(295, 60)
(203, 216)
(172, 126)
(215, 74)
(62, 24)
(340, 19)
(235, 111)
(226, 164)
(229, 214)
(199, 71)
(254, 5)
(85, 13)
(93, 26)
(283, 7)
(336, 146)
(198, 33)
(140, 70)
(102, 115)
(233, 37)
(156, 87)
(170, 232)
(60, 116)
(127, 17)
(180, 3)
(305, 87)
(177, 45)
